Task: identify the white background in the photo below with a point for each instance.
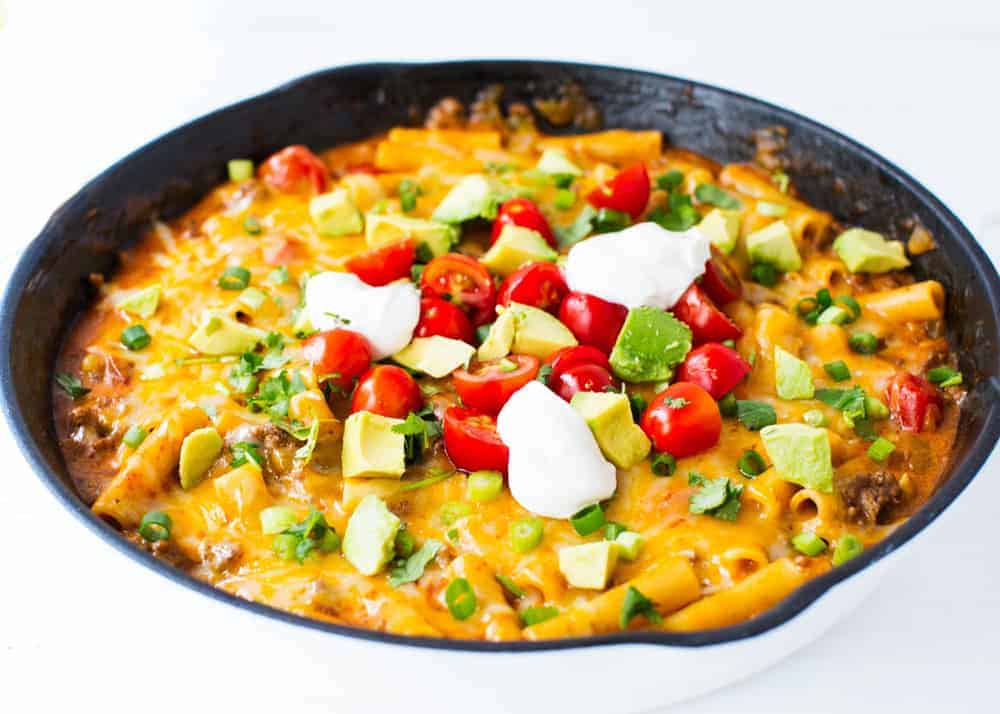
(83, 83)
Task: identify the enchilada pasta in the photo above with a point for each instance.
(471, 381)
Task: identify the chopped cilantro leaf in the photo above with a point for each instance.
(707, 193)
(635, 604)
(420, 430)
(71, 384)
(755, 415)
(719, 497)
(411, 569)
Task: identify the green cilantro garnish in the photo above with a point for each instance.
(246, 452)
(578, 229)
(539, 613)
(707, 193)
(679, 215)
(670, 180)
(851, 402)
(509, 585)
(72, 385)
(635, 604)
(755, 415)
(273, 394)
(544, 372)
(675, 402)
(313, 533)
(304, 453)
(412, 568)
(420, 430)
(719, 497)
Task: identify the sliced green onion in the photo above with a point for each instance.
(509, 585)
(944, 376)
(875, 410)
(239, 169)
(727, 405)
(454, 511)
(608, 220)
(234, 277)
(484, 485)
(564, 200)
(460, 598)
(809, 544)
(612, 530)
(253, 298)
(155, 525)
(135, 337)
(134, 436)
(663, 464)
(751, 464)
(669, 181)
(863, 343)
(588, 520)
(847, 547)
(526, 534)
(279, 276)
(814, 417)
(404, 544)
(540, 613)
(775, 210)
(838, 370)
(408, 193)
(833, 315)
(429, 481)
(285, 545)
(880, 449)
(329, 541)
(731, 344)
(276, 519)
(764, 274)
(851, 304)
(252, 226)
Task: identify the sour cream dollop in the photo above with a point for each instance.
(386, 315)
(641, 265)
(556, 467)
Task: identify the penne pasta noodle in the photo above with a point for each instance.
(912, 303)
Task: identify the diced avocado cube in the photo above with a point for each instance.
(371, 447)
(142, 303)
(383, 229)
(722, 228)
(199, 450)
(651, 343)
(629, 544)
(869, 252)
(437, 356)
(792, 376)
(334, 214)
(609, 416)
(555, 162)
(800, 454)
(472, 197)
(370, 536)
(516, 246)
(500, 337)
(219, 334)
(775, 246)
(239, 169)
(589, 565)
(538, 333)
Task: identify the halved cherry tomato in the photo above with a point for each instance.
(472, 442)
(683, 420)
(338, 356)
(440, 317)
(540, 285)
(465, 282)
(569, 357)
(384, 265)
(387, 390)
(720, 282)
(715, 368)
(522, 212)
(295, 169)
(582, 378)
(707, 322)
(592, 320)
(913, 402)
(488, 385)
(628, 191)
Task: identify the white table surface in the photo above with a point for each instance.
(82, 83)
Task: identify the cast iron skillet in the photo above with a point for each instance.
(49, 286)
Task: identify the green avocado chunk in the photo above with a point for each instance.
(609, 416)
(651, 343)
(472, 197)
(499, 338)
(869, 252)
(722, 228)
(198, 450)
(537, 333)
(589, 565)
(514, 247)
(370, 536)
(142, 303)
(334, 214)
(219, 334)
(383, 229)
(437, 356)
(555, 162)
(371, 448)
(792, 376)
(775, 246)
(800, 454)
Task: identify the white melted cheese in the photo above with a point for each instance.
(556, 467)
(385, 315)
(641, 265)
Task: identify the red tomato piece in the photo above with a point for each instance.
(440, 317)
(913, 402)
(338, 356)
(524, 213)
(540, 285)
(465, 282)
(278, 251)
(683, 420)
(715, 368)
(472, 442)
(569, 357)
(295, 169)
(628, 191)
(387, 390)
(582, 378)
(592, 320)
(384, 265)
(720, 282)
(487, 386)
(707, 322)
